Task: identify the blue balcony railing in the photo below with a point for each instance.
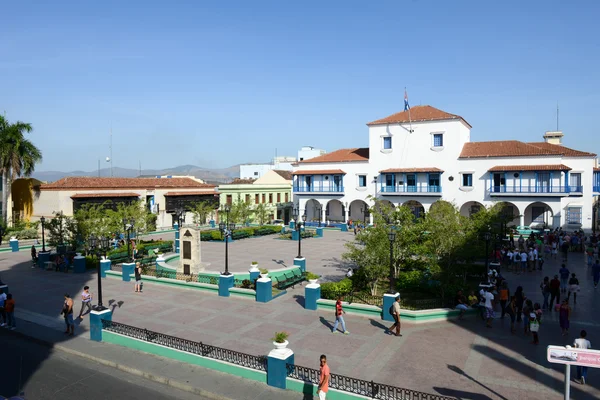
(319, 188)
(575, 189)
(530, 189)
(596, 188)
(421, 188)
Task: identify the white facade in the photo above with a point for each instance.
(308, 152)
(423, 160)
(282, 163)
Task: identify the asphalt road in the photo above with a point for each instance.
(42, 373)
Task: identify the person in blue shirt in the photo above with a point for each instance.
(564, 278)
(596, 273)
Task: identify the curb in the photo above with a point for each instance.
(133, 371)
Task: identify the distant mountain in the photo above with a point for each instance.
(217, 175)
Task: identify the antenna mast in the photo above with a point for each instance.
(557, 116)
(111, 158)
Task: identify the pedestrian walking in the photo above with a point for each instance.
(534, 327)
(503, 293)
(138, 277)
(564, 278)
(596, 273)
(395, 311)
(564, 316)
(67, 312)
(9, 307)
(324, 374)
(573, 287)
(86, 300)
(519, 301)
(339, 318)
(554, 249)
(582, 343)
(523, 261)
(554, 292)
(527, 310)
(511, 310)
(3, 298)
(489, 310)
(545, 287)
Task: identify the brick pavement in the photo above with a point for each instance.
(457, 358)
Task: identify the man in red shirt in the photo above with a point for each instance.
(554, 292)
(338, 317)
(323, 387)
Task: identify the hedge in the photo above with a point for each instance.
(242, 233)
(331, 290)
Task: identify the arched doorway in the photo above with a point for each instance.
(359, 211)
(416, 208)
(313, 210)
(470, 208)
(538, 215)
(510, 213)
(334, 211)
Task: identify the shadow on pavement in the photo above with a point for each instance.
(326, 323)
(22, 279)
(378, 324)
(461, 395)
(299, 299)
(473, 396)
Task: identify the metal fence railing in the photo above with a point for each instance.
(218, 353)
(361, 387)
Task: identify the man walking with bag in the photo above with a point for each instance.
(395, 311)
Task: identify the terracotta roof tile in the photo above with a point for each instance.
(287, 175)
(191, 193)
(418, 114)
(342, 155)
(410, 170)
(240, 181)
(320, 172)
(596, 169)
(102, 195)
(546, 167)
(123, 183)
(515, 148)
(565, 151)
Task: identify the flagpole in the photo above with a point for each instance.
(410, 130)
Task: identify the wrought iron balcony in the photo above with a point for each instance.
(596, 189)
(527, 189)
(575, 189)
(410, 189)
(319, 188)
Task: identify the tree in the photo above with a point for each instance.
(241, 212)
(63, 230)
(201, 212)
(18, 155)
(93, 219)
(261, 211)
(136, 211)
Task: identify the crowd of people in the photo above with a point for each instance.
(527, 255)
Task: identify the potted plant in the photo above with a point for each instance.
(264, 273)
(254, 266)
(280, 340)
(312, 278)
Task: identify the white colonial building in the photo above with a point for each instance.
(425, 156)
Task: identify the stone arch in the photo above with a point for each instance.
(538, 215)
(416, 207)
(470, 208)
(438, 202)
(334, 211)
(313, 208)
(511, 212)
(359, 211)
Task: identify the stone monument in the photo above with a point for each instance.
(190, 260)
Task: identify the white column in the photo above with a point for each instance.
(522, 220)
(323, 214)
(371, 219)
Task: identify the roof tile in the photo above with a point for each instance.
(410, 170)
(546, 167)
(515, 148)
(191, 193)
(80, 182)
(319, 172)
(342, 155)
(103, 195)
(287, 175)
(418, 114)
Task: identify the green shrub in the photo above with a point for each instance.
(27, 233)
(331, 290)
(310, 275)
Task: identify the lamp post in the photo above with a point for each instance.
(226, 231)
(128, 227)
(364, 210)
(392, 239)
(43, 221)
(298, 226)
(375, 196)
(100, 246)
(487, 236)
(319, 210)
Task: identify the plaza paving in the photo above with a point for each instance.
(455, 358)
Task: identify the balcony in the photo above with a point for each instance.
(596, 189)
(575, 189)
(534, 190)
(422, 190)
(319, 188)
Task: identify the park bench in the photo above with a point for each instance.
(290, 279)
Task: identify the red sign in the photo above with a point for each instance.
(573, 356)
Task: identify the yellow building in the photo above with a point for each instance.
(274, 189)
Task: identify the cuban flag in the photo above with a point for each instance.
(406, 106)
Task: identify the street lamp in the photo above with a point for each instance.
(43, 220)
(226, 231)
(128, 227)
(298, 226)
(364, 210)
(392, 239)
(487, 236)
(319, 209)
(375, 180)
(100, 246)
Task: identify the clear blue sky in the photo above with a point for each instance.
(216, 83)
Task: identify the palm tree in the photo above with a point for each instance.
(18, 156)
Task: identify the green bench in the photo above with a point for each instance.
(290, 279)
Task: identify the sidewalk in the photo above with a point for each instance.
(190, 378)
